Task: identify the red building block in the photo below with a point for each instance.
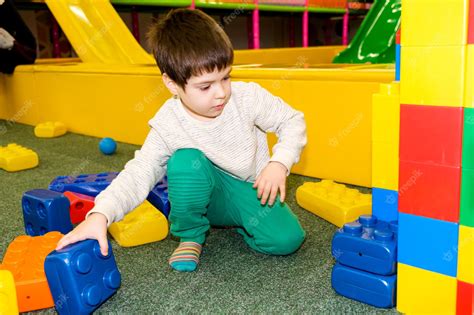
(431, 191)
(431, 134)
(470, 31)
(465, 298)
(80, 205)
(25, 259)
(398, 36)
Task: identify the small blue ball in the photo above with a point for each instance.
(108, 146)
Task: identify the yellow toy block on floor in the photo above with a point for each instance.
(50, 129)
(433, 76)
(333, 202)
(466, 254)
(386, 114)
(469, 89)
(145, 224)
(448, 28)
(8, 301)
(14, 158)
(421, 291)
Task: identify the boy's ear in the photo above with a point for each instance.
(170, 84)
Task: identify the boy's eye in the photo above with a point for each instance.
(227, 78)
(203, 88)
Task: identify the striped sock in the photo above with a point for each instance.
(186, 256)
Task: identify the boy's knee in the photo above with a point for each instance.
(186, 160)
(288, 242)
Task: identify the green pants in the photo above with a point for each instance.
(202, 195)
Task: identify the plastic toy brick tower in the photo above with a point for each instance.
(436, 158)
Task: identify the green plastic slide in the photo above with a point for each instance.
(374, 42)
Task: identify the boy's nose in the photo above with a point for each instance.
(220, 92)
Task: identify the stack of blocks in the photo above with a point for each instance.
(436, 175)
(366, 255)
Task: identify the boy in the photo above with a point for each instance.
(210, 139)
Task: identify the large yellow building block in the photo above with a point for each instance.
(333, 202)
(145, 224)
(50, 129)
(385, 165)
(421, 291)
(386, 113)
(14, 157)
(469, 88)
(466, 254)
(433, 75)
(8, 300)
(434, 23)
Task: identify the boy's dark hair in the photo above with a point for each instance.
(188, 43)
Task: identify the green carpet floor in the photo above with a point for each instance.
(231, 278)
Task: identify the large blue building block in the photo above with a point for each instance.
(80, 278)
(158, 197)
(428, 243)
(398, 55)
(385, 204)
(45, 211)
(367, 244)
(376, 290)
(87, 184)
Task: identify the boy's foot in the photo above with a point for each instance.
(186, 256)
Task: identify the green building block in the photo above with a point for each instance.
(467, 198)
(468, 139)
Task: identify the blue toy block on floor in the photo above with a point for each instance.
(87, 184)
(158, 197)
(385, 204)
(376, 290)
(80, 278)
(45, 211)
(428, 244)
(367, 244)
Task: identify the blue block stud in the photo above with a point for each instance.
(45, 211)
(86, 184)
(158, 197)
(428, 244)
(367, 244)
(107, 146)
(376, 290)
(385, 204)
(80, 278)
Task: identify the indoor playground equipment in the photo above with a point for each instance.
(374, 41)
(130, 92)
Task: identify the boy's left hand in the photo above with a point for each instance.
(271, 179)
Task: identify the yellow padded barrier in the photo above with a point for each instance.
(433, 75)
(421, 291)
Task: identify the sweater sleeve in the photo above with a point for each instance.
(272, 114)
(131, 187)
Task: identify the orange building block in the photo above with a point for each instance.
(25, 259)
(80, 205)
(465, 298)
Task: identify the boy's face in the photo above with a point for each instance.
(206, 95)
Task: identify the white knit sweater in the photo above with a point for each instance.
(235, 141)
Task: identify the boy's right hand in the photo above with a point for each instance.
(94, 227)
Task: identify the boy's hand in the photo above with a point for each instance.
(271, 179)
(94, 227)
